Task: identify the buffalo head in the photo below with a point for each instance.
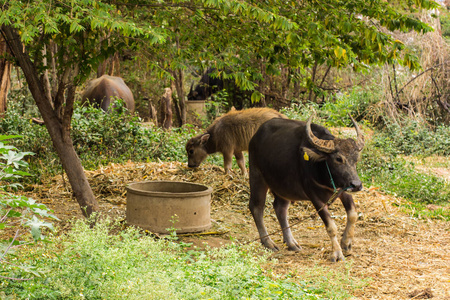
(341, 156)
(196, 150)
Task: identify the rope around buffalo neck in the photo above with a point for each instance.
(331, 177)
(332, 181)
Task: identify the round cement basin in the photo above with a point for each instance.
(153, 205)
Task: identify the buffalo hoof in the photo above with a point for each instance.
(337, 256)
(269, 244)
(294, 247)
(346, 249)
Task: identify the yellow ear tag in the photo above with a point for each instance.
(305, 156)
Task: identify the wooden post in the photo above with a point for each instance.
(166, 102)
(153, 113)
(5, 76)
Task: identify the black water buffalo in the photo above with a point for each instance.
(102, 92)
(207, 86)
(298, 160)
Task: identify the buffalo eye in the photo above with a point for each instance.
(191, 151)
(339, 160)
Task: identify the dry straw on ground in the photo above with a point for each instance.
(405, 258)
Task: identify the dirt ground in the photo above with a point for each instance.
(405, 258)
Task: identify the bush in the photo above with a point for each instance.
(333, 113)
(414, 137)
(17, 212)
(93, 263)
(34, 138)
(399, 177)
(445, 24)
(98, 139)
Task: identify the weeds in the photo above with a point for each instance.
(16, 213)
(92, 263)
(414, 137)
(397, 176)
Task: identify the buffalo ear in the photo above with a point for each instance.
(311, 155)
(204, 138)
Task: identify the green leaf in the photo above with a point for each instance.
(15, 158)
(35, 224)
(9, 137)
(256, 97)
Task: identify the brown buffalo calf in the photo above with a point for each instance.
(229, 134)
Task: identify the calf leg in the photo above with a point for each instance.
(352, 216)
(281, 209)
(258, 192)
(241, 162)
(336, 251)
(227, 160)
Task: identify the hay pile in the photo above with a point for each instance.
(109, 183)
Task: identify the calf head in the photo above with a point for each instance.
(196, 150)
(341, 156)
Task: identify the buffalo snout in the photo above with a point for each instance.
(355, 185)
(191, 165)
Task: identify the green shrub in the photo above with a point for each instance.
(399, 177)
(354, 103)
(93, 263)
(414, 137)
(34, 139)
(333, 113)
(445, 24)
(17, 212)
(98, 138)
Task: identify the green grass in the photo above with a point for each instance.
(398, 176)
(108, 262)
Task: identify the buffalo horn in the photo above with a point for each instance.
(192, 85)
(326, 146)
(359, 135)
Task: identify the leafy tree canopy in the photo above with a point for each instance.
(236, 35)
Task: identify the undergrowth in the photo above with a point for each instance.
(399, 177)
(109, 262)
(99, 139)
(414, 137)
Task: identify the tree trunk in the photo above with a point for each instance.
(179, 76)
(167, 108)
(58, 127)
(44, 78)
(114, 67)
(5, 76)
(313, 80)
(101, 69)
(152, 112)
